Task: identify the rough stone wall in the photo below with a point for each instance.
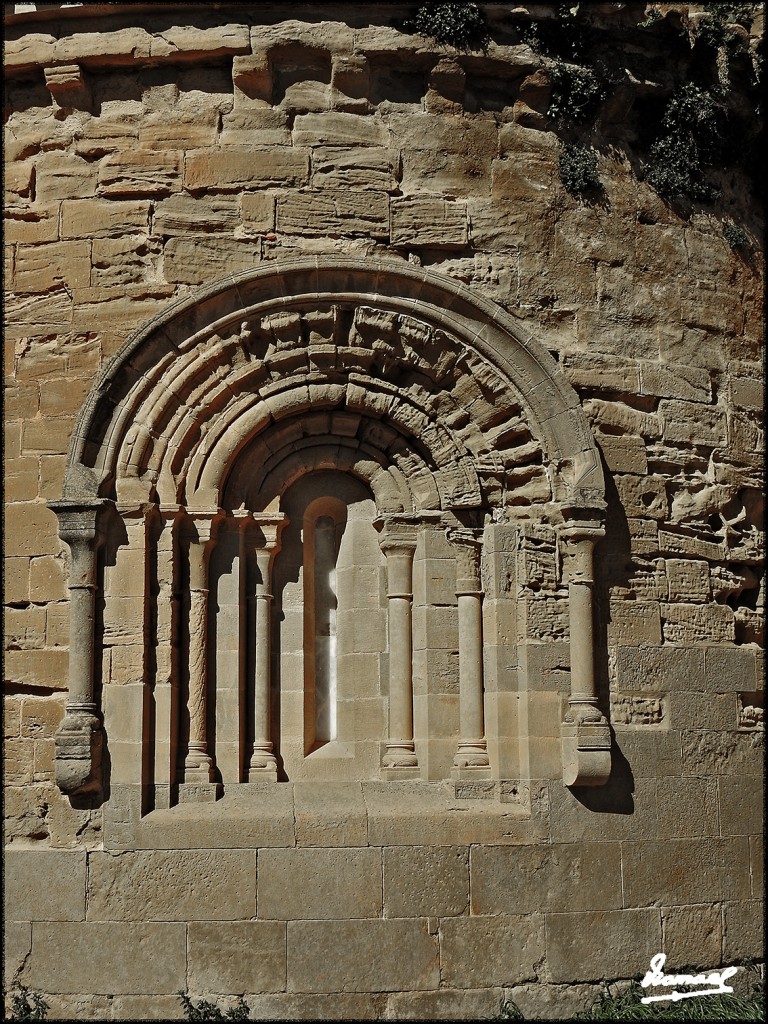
(152, 152)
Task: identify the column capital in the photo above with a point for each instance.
(468, 545)
(81, 520)
(200, 525)
(396, 534)
(267, 530)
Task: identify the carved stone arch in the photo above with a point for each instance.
(432, 391)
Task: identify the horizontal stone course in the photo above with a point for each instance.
(236, 956)
(324, 884)
(681, 871)
(489, 951)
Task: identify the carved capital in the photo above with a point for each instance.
(78, 744)
(396, 535)
(468, 545)
(81, 527)
(586, 744)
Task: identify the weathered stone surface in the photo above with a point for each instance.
(692, 623)
(172, 886)
(192, 258)
(95, 960)
(743, 934)
(94, 218)
(369, 956)
(326, 884)
(63, 176)
(692, 936)
(628, 940)
(445, 1004)
(741, 805)
(687, 807)
(236, 167)
(328, 814)
(489, 951)
(368, 167)
(681, 871)
(334, 213)
(140, 173)
(331, 128)
(59, 875)
(429, 222)
(423, 882)
(526, 880)
(239, 956)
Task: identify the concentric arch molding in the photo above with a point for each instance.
(186, 394)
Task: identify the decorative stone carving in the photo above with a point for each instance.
(398, 542)
(472, 752)
(585, 733)
(79, 738)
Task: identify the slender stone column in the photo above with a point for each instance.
(586, 737)
(79, 737)
(266, 542)
(201, 532)
(472, 751)
(398, 542)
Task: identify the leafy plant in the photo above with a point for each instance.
(691, 141)
(576, 93)
(26, 1005)
(210, 1011)
(578, 169)
(627, 1006)
(461, 25)
(735, 236)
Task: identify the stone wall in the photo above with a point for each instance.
(155, 150)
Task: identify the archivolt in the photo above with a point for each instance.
(387, 364)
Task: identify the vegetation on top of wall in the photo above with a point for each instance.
(736, 236)
(691, 141)
(461, 25)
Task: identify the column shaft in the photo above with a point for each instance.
(472, 751)
(398, 545)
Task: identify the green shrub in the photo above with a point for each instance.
(735, 236)
(461, 25)
(627, 1006)
(691, 141)
(26, 1005)
(210, 1011)
(576, 93)
(578, 169)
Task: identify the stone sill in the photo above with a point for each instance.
(409, 813)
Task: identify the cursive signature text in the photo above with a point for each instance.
(655, 976)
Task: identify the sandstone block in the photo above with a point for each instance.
(616, 415)
(193, 259)
(691, 383)
(552, 1002)
(258, 211)
(17, 945)
(677, 872)
(477, 952)
(178, 128)
(239, 956)
(687, 807)
(368, 167)
(44, 885)
(165, 885)
(48, 668)
(707, 752)
(730, 668)
(747, 393)
(64, 176)
(429, 221)
(424, 882)
(17, 582)
(526, 880)
(624, 453)
(328, 814)
(659, 669)
(96, 960)
(325, 884)
(652, 754)
(693, 623)
(255, 126)
(139, 172)
(688, 580)
(369, 956)
(634, 623)
(743, 934)
(338, 1006)
(189, 43)
(95, 218)
(334, 213)
(697, 710)
(336, 128)
(40, 268)
(613, 944)
(445, 1004)
(234, 168)
(598, 815)
(693, 423)
(692, 936)
(642, 495)
(125, 262)
(252, 75)
(757, 862)
(741, 805)
(28, 315)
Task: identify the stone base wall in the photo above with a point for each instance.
(150, 153)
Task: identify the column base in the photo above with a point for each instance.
(266, 774)
(399, 774)
(465, 772)
(199, 792)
